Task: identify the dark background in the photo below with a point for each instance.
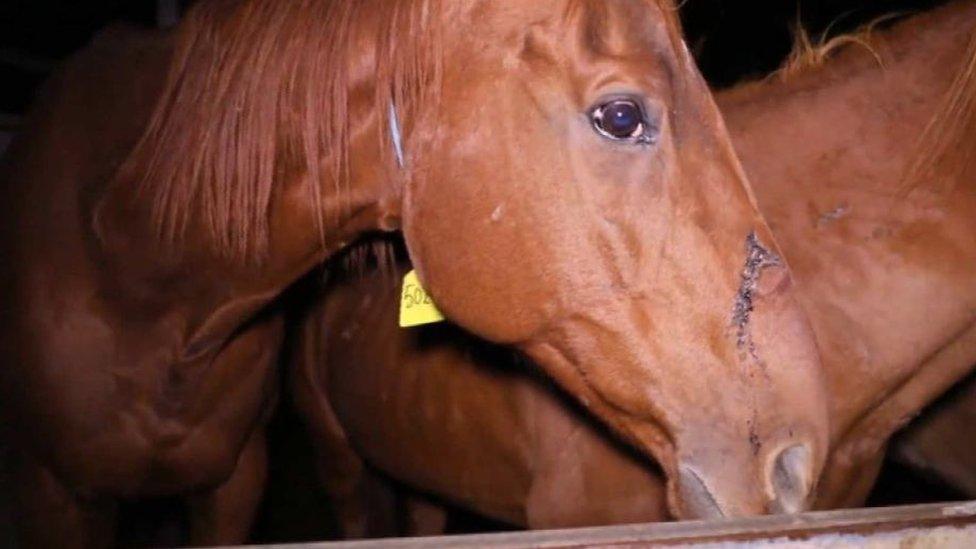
(733, 38)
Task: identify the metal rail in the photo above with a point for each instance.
(949, 525)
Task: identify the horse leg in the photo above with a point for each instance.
(224, 515)
(48, 514)
(856, 474)
(941, 442)
(365, 504)
(353, 491)
(856, 459)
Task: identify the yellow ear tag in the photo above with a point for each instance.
(416, 306)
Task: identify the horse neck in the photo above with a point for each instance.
(858, 129)
(213, 292)
(827, 152)
(281, 152)
(863, 112)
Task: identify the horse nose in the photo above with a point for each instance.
(697, 499)
(780, 484)
(790, 476)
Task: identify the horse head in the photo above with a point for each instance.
(574, 193)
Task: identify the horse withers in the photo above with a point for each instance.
(564, 183)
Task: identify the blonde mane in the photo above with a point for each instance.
(261, 88)
(941, 153)
(807, 54)
(942, 149)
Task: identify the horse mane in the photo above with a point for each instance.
(938, 150)
(806, 54)
(260, 89)
(942, 148)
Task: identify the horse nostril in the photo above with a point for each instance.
(790, 477)
(697, 499)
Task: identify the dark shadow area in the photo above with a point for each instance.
(734, 40)
(295, 508)
(159, 522)
(931, 445)
(899, 484)
(731, 39)
(7, 535)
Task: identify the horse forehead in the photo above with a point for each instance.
(618, 20)
(635, 36)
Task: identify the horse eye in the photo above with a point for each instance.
(621, 120)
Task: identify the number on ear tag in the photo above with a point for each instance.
(416, 306)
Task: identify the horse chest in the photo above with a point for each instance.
(157, 426)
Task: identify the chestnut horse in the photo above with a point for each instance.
(564, 183)
(452, 415)
(865, 171)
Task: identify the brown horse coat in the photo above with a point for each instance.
(865, 172)
(875, 209)
(457, 417)
(150, 223)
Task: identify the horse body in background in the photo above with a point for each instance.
(445, 412)
(866, 174)
(150, 226)
(883, 239)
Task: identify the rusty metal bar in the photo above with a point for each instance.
(932, 525)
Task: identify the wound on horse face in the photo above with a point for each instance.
(758, 258)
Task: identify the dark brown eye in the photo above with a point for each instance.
(621, 120)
